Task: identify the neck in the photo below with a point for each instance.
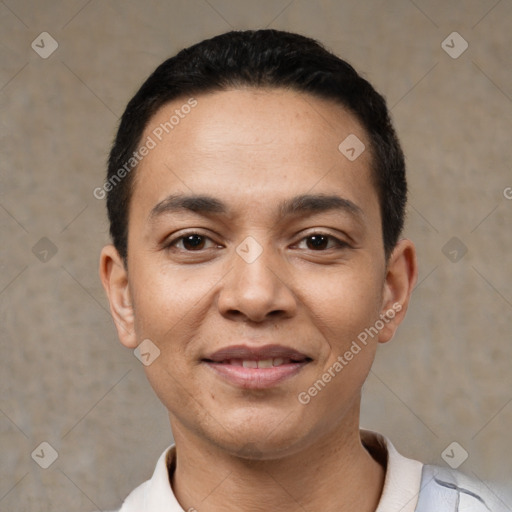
(335, 473)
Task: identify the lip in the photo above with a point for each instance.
(256, 353)
(256, 378)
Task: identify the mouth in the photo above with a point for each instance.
(256, 367)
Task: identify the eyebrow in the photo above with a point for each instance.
(302, 204)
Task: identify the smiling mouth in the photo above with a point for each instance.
(260, 363)
(257, 373)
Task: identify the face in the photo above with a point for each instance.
(255, 262)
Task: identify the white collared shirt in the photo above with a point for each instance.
(400, 492)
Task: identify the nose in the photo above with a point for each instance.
(256, 290)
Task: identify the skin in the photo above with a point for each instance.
(252, 149)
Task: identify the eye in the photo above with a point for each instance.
(320, 242)
(192, 242)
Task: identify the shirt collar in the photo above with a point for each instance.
(400, 492)
(403, 476)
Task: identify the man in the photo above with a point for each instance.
(256, 195)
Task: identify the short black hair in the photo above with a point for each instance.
(259, 58)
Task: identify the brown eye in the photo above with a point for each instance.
(317, 242)
(193, 242)
(321, 242)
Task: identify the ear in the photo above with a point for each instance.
(114, 277)
(401, 276)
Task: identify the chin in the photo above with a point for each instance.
(270, 437)
(261, 449)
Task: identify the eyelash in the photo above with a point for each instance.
(172, 242)
(340, 244)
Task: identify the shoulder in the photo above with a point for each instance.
(135, 500)
(156, 493)
(444, 489)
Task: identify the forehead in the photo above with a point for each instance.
(253, 144)
(253, 119)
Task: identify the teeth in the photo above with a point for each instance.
(262, 363)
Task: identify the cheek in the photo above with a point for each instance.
(167, 301)
(343, 306)
(171, 305)
(343, 303)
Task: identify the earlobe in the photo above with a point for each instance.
(114, 278)
(401, 276)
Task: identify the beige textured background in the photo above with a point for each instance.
(64, 377)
